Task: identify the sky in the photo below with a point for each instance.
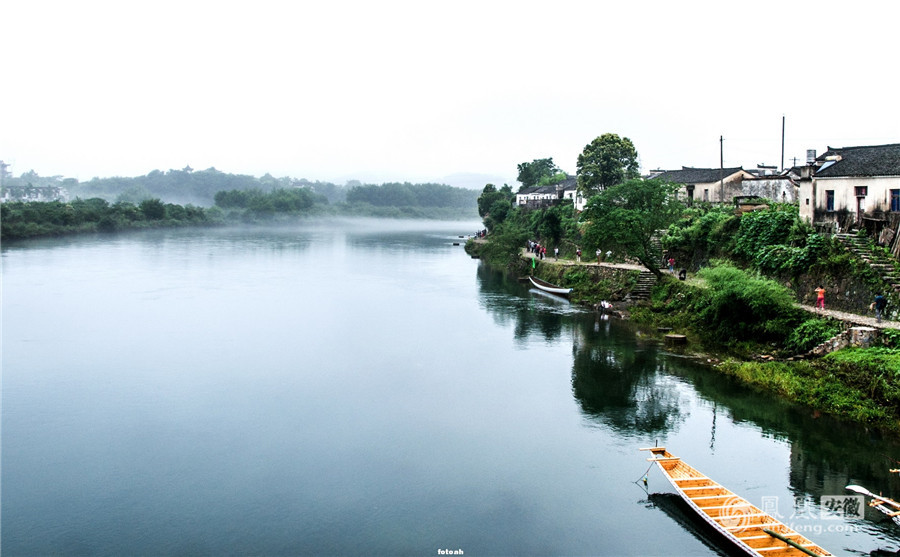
(425, 90)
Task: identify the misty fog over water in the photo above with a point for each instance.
(365, 387)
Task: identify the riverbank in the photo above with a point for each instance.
(856, 384)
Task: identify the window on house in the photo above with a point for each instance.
(861, 191)
(895, 200)
(829, 200)
(706, 195)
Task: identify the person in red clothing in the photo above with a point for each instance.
(820, 297)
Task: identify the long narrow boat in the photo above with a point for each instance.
(548, 287)
(884, 504)
(747, 527)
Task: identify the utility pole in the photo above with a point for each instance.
(782, 142)
(721, 171)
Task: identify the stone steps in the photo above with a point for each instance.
(884, 266)
(644, 287)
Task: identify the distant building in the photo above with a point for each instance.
(33, 193)
(4, 173)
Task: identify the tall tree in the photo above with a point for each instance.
(494, 205)
(606, 161)
(530, 173)
(626, 217)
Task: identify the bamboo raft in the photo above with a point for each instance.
(744, 525)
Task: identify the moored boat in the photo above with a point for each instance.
(884, 504)
(745, 526)
(548, 287)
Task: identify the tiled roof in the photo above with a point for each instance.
(688, 175)
(874, 160)
(568, 184)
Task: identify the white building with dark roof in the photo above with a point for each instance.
(846, 187)
(713, 185)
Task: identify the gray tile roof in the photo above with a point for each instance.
(688, 175)
(873, 160)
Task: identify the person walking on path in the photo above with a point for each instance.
(820, 298)
(598, 255)
(672, 265)
(879, 305)
(578, 254)
(556, 252)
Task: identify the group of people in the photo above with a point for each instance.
(878, 305)
(541, 251)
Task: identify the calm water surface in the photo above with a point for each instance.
(360, 388)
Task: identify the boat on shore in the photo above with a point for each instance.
(745, 526)
(549, 287)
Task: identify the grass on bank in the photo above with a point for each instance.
(862, 384)
(739, 315)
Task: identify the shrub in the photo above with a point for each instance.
(810, 334)
(737, 305)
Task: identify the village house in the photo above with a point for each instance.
(712, 185)
(543, 196)
(852, 188)
(780, 188)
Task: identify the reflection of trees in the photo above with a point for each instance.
(507, 301)
(615, 380)
(635, 390)
(826, 454)
(618, 384)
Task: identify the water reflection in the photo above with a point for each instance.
(620, 382)
(634, 387)
(532, 314)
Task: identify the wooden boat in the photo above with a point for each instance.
(884, 504)
(548, 287)
(747, 527)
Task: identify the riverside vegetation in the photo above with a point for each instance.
(746, 274)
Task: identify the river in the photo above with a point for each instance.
(366, 388)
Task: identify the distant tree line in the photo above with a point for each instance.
(20, 219)
(187, 185)
(24, 219)
(413, 195)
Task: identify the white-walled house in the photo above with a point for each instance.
(852, 187)
(543, 196)
(711, 185)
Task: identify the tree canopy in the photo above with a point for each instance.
(626, 216)
(494, 205)
(531, 173)
(606, 161)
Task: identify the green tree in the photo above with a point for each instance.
(531, 173)
(494, 205)
(626, 217)
(606, 161)
(153, 209)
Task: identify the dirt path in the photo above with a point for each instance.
(853, 318)
(584, 261)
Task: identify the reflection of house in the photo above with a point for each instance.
(543, 196)
(852, 187)
(707, 184)
(33, 193)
